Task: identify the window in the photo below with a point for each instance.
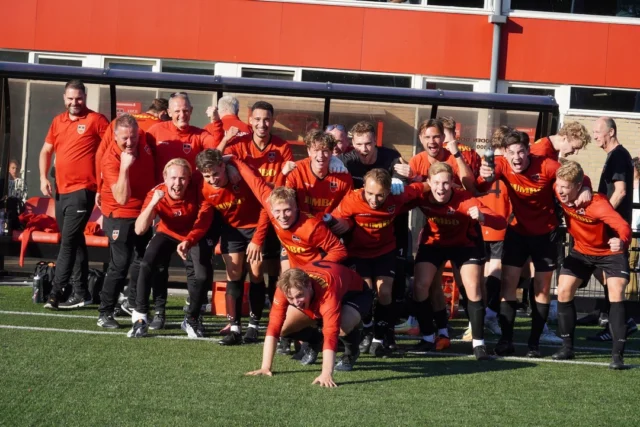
(457, 3)
(585, 98)
(531, 91)
(356, 78)
(13, 56)
(184, 67)
(61, 61)
(260, 73)
(464, 87)
(628, 8)
(128, 66)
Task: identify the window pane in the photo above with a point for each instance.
(463, 87)
(128, 66)
(59, 61)
(294, 117)
(17, 96)
(201, 68)
(605, 99)
(531, 91)
(457, 3)
(356, 78)
(13, 56)
(629, 8)
(267, 74)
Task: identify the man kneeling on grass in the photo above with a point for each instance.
(318, 291)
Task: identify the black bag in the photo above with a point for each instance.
(42, 281)
(94, 284)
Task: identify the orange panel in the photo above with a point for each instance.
(18, 28)
(64, 29)
(551, 51)
(623, 56)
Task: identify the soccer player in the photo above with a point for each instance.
(530, 184)
(450, 233)
(243, 230)
(369, 212)
(125, 184)
(74, 136)
(343, 144)
(227, 111)
(601, 239)
(570, 139)
(318, 291)
(184, 220)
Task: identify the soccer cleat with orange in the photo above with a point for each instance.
(442, 342)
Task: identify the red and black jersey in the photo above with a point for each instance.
(449, 224)
(229, 121)
(267, 162)
(496, 199)
(330, 283)
(420, 164)
(592, 226)
(317, 195)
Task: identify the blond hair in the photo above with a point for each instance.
(439, 167)
(294, 278)
(379, 176)
(576, 131)
(176, 162)
(283, 194)
(570, 171)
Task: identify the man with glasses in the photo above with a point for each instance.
(343, 144)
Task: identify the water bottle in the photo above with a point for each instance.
(329, 220)
(489, 157)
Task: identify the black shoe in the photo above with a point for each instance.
(480, 352)
(251, 336)
(534, 352)
(602, 336)
(423, 347)
(232, 338)
(367, 338)
(200, 326)
(106, 320)
(504, 348)
(75, 301)
(346, 362)
(190, 326)
(284, 347)
(310, 356)
(603, 320)
(157, 322)
(298, 355)
(139, 329)
(127, 308)
(617, 362)
(52, 302)
(377, 349)
(564, 353)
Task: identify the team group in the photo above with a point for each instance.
(331, 231)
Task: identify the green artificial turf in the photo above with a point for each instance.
(65, 378)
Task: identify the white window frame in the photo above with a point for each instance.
(422, 7)
(562, 16)
(476, 83)
(154, 63)
(370, 73)
(199, 65)
(34, 57)
(297, 71)
(600, 113)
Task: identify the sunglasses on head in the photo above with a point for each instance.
(173, 95)
(332, 127)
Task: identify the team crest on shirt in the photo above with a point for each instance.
(147, 149)
(271, 156)
(81, 129)
(210, 243)
(235, 188)
(450, 210)
(535, 177)
(391, 209)
(115, 234)
(295, 238)
(580, 212)
(186, 148)
(177, 213)
(333, 186)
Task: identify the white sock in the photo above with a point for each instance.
(477, 343)
(490, 314)
(444, 332)
(469, 325)
(135, 316)
(429, 338)
(235, 328)
(251, 325)
(377, 340)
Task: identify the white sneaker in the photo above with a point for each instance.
(140, 329)
(466, 336)
(491, 324)
(190, 330)
(549, 337)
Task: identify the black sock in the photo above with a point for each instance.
(441, 319)
(425, 317)
(494, 285)
(256, 301)
(539, 315)
(233, 314)
(567, 322)
(476, 317)
(507, 318)
(351, 341)
(310, 335)
(380, 321)
(618, 326)
(272, 287)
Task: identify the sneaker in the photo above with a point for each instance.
(158, 321)
(127, 308)
(602, 336)
(410, 327)
(491, 324)
(377, 349)
(442, 342)
(200, 326)
(367, 338)
(480, 352)
(233, 338)
(139, 329)
(504, 348)
(298, 355)
(564, 354)
(603, 320)
(346, 362)
(466, 336)
(534, 352)
(284, 347)
(52, 302)
(310, 356)
(106, 320)
(190, 326)
(617, 362)
(225, 330)
(549, 337)
(250, 336)
(632, 327)
(74, 302)
(423, 347)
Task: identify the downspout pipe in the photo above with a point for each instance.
(497, 19)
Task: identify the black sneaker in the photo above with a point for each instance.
(504, 348)
(75, 301)
(377, 349)
(534, 352)
(564, 353)
(367, 338)
(200, 326)
(106, 320)
(232, 338)
(284, 347)
(127, 308)
(310, 356)
(346, 362)
(139, 329)
(298, 355)
(602, 336)
(157, 322)
(603, 320)
(617, 362)
(423, 347)
(52, 302)
(480, 352)
(250, 336)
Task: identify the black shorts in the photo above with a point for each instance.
(235, 240)
(383, 265)
(542, 249)
(582, 266)
(493, 250)
(271, 248)
(361, 301)
(438, 255)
